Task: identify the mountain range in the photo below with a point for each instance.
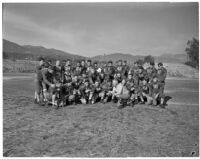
(14, 50)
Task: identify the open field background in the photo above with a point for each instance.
(100, 130)
(26, 66)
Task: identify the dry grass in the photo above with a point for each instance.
(95, 130)
(19, 66)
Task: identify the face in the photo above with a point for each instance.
(149, 71)
(92, 70)
(96, 84)
(124, 63)
(68, 62)
(67, 77)
(155, 79)
(50, 70)
(95, 65)
(57, 63)
(82, 63)
(130, 76)
(119, 63)
(123, 81)
(89, 63)
(140, 70)
(118, 75)
(135, 64)
(110, 64)
(83, 75)
(75, 78)
(78, 64)
(114, 83)
(87, 84)
(41, 62)
(144, 82)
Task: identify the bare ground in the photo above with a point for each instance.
(100, 130)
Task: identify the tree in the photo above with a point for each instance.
(192, 51)
(149, 59)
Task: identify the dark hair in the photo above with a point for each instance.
(160, 64)
(41, 59)
(110, 61)
(152, 63)
(89, 61)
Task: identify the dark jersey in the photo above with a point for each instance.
(155, 88)
(57, 74)
(162, 76)
(46, 76)
(77, 71)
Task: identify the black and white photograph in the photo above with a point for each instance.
(100, 79)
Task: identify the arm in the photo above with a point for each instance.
(44, 72)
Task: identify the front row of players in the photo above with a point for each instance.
(62, 84)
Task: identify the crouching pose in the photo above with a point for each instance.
(144, 92)
(132, 86)
(156, 93)
(95, 93)
(85, 92)
(76, 94)
(106, 93)
(123, 95)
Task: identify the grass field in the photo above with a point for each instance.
(100, 130)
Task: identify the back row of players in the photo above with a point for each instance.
(61, 84)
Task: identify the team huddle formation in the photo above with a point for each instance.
(87, 83)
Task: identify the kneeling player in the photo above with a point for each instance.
(95, 93)
(156, 94)
(106, 93)
(144, 92)
(131, 85)
(85, 92)
(123, 95)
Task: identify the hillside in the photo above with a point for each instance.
(166, 58)
(16, 51)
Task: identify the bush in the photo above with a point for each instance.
(192, 64)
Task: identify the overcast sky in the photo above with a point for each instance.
(91, 29)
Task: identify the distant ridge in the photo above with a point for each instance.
(166, 58)
(14, 50)
(29, 51)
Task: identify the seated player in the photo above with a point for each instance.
(85, 92)
(95, 92)
(118, 77)
(116, 90)
(132, 86)
(106, 93)
(75, 98)
(66, 88)
(123, 95)
(144, 92)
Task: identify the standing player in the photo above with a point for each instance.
(38, 81)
